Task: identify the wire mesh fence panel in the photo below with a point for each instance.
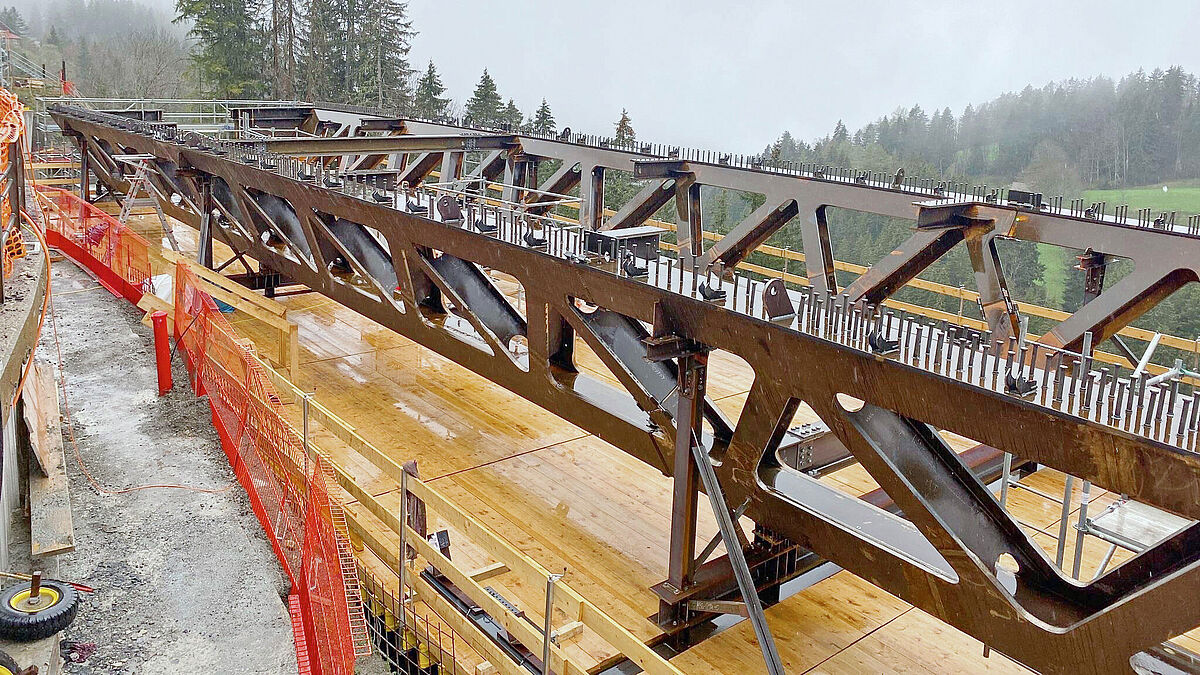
(289, 487)
(290, 490)
(117, 255)
(406, 639)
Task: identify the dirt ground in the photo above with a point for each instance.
(186, 581)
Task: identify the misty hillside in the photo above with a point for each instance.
(1096, 137)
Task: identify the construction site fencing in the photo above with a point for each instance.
(291, 490)
(117, 255)
(12, 127)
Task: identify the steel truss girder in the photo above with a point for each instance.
(374, 145)
(1163, 261)
(934, 562)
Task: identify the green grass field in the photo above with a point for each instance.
(1182, 197)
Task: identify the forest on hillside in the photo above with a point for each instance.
(1062, 138)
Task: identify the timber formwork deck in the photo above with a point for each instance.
(884, 384)
(573, 502)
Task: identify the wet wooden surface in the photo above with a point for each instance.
(574, 503)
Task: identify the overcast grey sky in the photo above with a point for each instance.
(731, 75)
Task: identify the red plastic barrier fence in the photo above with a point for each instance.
(12, 126)
(117, 255)
(291, 492)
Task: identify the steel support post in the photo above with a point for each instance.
(689, 418)
(514, 178)
(1081, 528)
(204, 252)
(1063, 521)
(548, 625)
(403, 534)
(591, 192)
(84, 168)
(690, 232)
(737, 557)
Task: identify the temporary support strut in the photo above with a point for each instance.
(695, 460)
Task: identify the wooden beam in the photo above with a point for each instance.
(51, 526)
(225, 283)
(567, 600)
(488, 572)
(569, 632)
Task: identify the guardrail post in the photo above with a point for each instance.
(548, 626)
(403, 528)
(162, 351)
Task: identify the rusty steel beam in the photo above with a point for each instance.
(362, 145)
(943, 558)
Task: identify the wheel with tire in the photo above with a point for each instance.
(7, 665)
(25, 617)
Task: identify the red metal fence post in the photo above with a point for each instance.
(162, 351)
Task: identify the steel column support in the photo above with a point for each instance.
(691, 227)
(204, 253)
(733, 544)
(693, 371)
(514, 178)
(451, 169)
(818, 252)
(591, 190)
(84, 183)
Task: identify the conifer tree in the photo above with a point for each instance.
(322, 55)
(13, 20)
(427, 99)
(512, 115)
(543, 120)
(840, 134)
(625, 133)
(230, 45)
(485, 108)
(284, 36)
(381, 42)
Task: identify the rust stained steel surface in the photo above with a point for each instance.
(943, 559)
(357, 145)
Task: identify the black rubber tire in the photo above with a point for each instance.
(7, 664)
(20, 626)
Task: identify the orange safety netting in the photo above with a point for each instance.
(12, 125)
(117, 255)
(290, 490)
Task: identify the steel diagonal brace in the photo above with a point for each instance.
(737, 557)
(1028, 595)
(464, 309)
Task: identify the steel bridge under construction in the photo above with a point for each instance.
(757, 392)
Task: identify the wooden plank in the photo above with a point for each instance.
(292, 350)
(52, 529)
(484, 573)
(34, 405)
(213, 278)
(568, 631)
(151, 303)
(58, 181)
